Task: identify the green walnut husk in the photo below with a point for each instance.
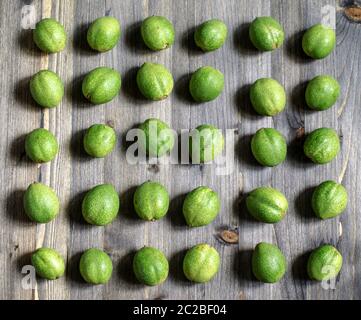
(201, 263)
(101, 85)
(211, 35)
(101, 205)
(48, 263)
(158, 138)
(154, 81)
(41, 204)
(324, 263)
(319, 41)
(267, 204)
(322, 92)
(201, 206)
(269, 147)
(268, 97)
(99, 140)
(95, 266)
(41, 145)
(206, 142)
(151, 201)
(322, 145)
(49, 35)
(268, 263)
(46, 88)
(150, 266)
(104, 33)
(266, 33)
(157, 32)
(329, 199)
(206, 84)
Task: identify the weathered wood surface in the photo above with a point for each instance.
(72, 173)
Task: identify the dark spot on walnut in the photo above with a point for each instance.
(228, 236)
(300, 132)
(353, 13)
(16, 247)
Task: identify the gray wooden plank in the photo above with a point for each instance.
(18, 64)
(72, 173)
(348, 116)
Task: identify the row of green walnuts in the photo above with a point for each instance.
(200, 264)
(158, 33)
(150, 266)
(201, 206)
(101, 204)
(155, 82)
(206, 142)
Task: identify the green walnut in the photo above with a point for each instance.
(324, 263)
(46, 88)
(322, 92)
(103, 34)
(158, 138)
(48, 263)
(101, 205)
(150, 266)
(154, 81)
(266, 33)
(41, 204)
(206, 84)
(322, 145)
(268, 263)
(269, 147)
(41, 145)
(206, 142)
(201, 206)
(201, 263)
(329, 199)
(95, 266)
(151, 201)
(157, 33)
(211, 35)
(49, 35)
(319, 41)
(268, 97)
(99, 140)
(267, 204)
(101, 85)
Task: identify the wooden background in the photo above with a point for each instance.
(72, 173)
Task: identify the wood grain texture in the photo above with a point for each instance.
(72, 173)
